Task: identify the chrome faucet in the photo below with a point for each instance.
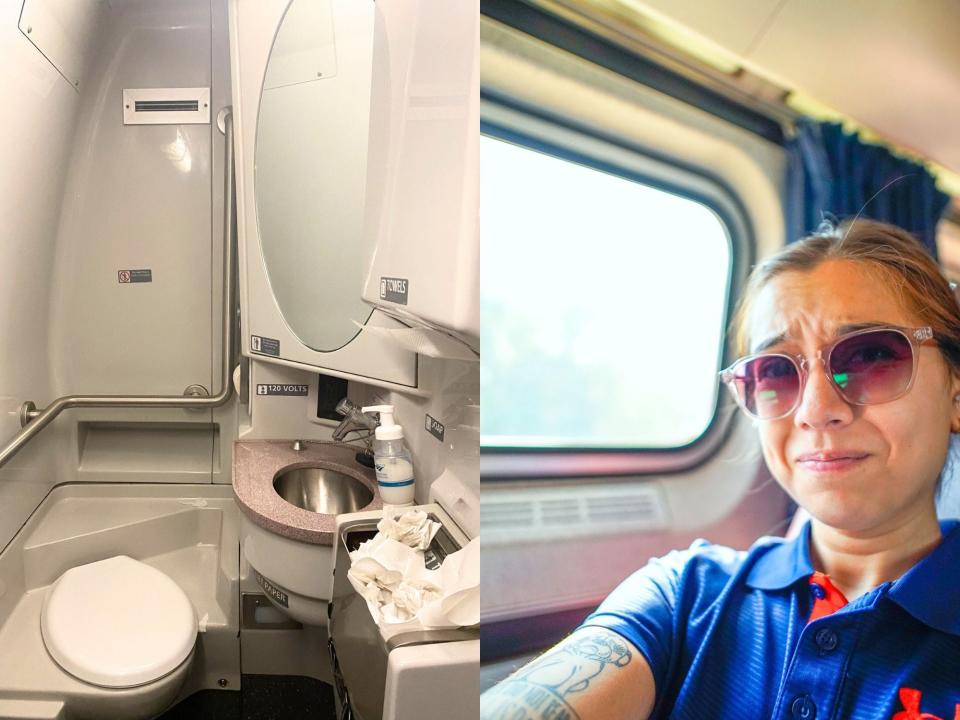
(353, 419)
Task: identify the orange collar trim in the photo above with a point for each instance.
(827, 598)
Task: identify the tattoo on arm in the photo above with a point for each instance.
(540, 690)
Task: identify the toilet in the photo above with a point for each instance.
(124, 628)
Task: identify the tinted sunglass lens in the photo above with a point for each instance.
(874, 367)
(767, 385)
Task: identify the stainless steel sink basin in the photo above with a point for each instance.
(321, 490)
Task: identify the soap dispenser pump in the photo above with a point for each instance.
(391, 459)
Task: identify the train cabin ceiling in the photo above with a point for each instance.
(891, 65)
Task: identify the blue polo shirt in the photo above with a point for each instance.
(726, 635)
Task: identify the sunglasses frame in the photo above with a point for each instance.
(916, 337)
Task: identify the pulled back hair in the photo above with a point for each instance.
(899, 260)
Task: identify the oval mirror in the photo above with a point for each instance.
(311, 167)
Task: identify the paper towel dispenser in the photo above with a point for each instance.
(422, 229)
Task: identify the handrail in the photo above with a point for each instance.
(38, 420)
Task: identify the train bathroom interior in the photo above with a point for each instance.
(643, 155)
(229, 226)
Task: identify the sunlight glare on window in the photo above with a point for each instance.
(602, 306)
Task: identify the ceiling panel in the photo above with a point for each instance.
(893, 66)
(732, 25)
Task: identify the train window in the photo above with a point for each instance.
(603, 301)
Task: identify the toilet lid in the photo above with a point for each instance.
(117, 623)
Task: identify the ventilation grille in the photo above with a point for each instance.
(505, 515)
(621, 509)
(560, 512)
(538, 515)
(166, 106)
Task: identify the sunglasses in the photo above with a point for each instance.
(866, 367)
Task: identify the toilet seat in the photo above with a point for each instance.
(117, 623)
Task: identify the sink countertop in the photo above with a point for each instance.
(257, 462)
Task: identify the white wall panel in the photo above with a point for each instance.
(82, 197)
(454, 401)
(38, 110)
(63, 30)
(138, 197)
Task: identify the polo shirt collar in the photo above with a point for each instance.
(929, 590)
(783, 564)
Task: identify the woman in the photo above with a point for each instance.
(853, 381)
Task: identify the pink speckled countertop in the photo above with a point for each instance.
(257, 462)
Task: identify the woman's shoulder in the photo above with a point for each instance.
(717, 561)
(651, 605)
(703, 571)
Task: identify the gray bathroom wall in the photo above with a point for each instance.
(143, 197)
(83, 197)
(38, 111)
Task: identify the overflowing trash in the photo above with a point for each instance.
(390, 573)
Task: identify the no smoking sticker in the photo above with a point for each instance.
(134, 276)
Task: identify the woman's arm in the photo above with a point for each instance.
(595, 674)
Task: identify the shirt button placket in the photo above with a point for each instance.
(814, 681)
(803, 708)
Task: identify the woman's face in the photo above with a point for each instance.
(895, 450)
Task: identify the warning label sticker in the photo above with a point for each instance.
(288, 390)
(434, 427)
(134, 276)
(264, 345)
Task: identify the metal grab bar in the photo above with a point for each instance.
(38, 420)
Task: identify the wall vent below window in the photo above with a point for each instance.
(166, 106)
(543, 515)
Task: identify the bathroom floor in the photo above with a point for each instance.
(262, 697)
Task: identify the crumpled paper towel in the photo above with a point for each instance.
(392, 578)
(399, 589)
(459, 601)
(413, 528)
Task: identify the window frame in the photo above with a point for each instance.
(541, 131)
(560, 30)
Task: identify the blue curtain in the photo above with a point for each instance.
(829, 172)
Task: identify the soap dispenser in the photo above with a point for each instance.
(391, 459)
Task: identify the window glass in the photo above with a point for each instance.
(602, 306)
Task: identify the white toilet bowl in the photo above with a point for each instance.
(125, 630)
